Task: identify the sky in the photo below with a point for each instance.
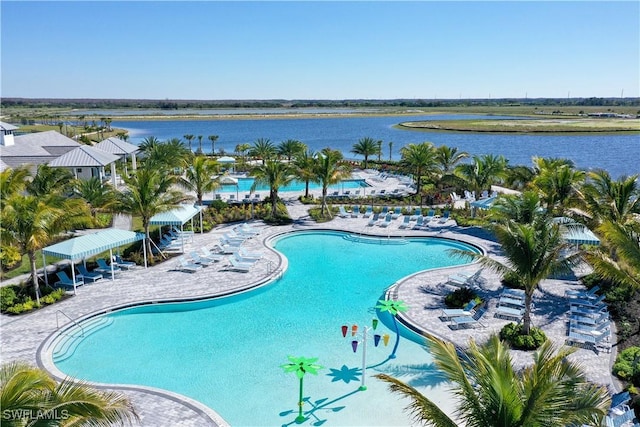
(214, 50)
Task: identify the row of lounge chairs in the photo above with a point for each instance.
(589, 324)
(103, 270)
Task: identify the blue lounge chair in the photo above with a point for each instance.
(396, 213)
(474, 320)
(385, 210)
(124, 264)
(87, 275)
(429, 216)
(387, 221)
(342, 212)
(419, 223)
(64, 280)
(355, 211)
(590, 294)
(417, 213)
(445, 217)
(368, 212)
(373, 220)
(406, 222)
(105, 268)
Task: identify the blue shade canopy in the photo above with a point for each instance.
(177, 216)
(578, 234)
(91, 244)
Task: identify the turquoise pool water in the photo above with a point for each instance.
(244, 186)
(227, 352)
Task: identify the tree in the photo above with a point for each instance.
(329, 171)
(522, 209)
(263, 149)
(489, 392)
(28, 396)
(107, 122)
(200, 145)
(365, 147)
(149, 193)
(13, 181)
(189, 138)
(622, 265)
(608, 199)
(390, 149)
(48, 181)
(304, 164)
(448, 157)
(148, 144)
(291, 148)
(275, 175)
(198, 176)
(557, 181)
(167, 155)
(100, 197)
(420, 160)
(213, 139)
(482, 172)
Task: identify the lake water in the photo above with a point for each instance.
(619, 154)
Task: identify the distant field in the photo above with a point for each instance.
(555, 125)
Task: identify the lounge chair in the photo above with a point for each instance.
(210, 255)
(355, 211)
(64, 280)
(368, 212)
(87, 275)
(417, 213)
(396, 213)
(342, 212)
(419, 223)
(226, 249)
(590, 294)
(464, 279)
(234, 264)
(589, 303)
(373, 220)
(189, 267)
(406, 222)
(467, 310)
(513, 293)
(473, 320)
(445, 217)
(197, 259)
(385, 210)
(124, 264)
(231, 241)
(506, 312)
(250, 256)
(429, 216)
(387, 221)
(105, 268)
(246, 230)
(244, 260)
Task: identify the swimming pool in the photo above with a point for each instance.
(244, 186)
(227, 352)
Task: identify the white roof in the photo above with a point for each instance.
(84, 156)
(7, 126)
(36, 148)
(116, 146)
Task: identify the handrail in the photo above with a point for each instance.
(74, 322)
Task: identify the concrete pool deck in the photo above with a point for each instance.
(26, 337)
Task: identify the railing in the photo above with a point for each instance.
(74, 322)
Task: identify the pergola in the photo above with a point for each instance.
(91, 244)
(178, 217)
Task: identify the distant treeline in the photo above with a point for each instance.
(281, 103)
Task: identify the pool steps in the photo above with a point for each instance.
(375, 240)
(70, 339)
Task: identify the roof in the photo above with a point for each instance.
(7, 126)
(92, 244)
(578, 234)
(226, 159)
(36, 148)
(84, 156)
(116, 146)
(177, 216)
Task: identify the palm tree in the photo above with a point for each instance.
(263, 149)
(107, 122)
(189, 138)
(390, 149)
(13, 181)
(420, 160)
(448, 157)
(291, 148)
(622, 265)
(213, 139)
(557, 181)
(482, 172)
(198, 177)
(329, 171)
(200, 145)
(522, 209)
(275, 175)
(532, 251)
(48, 180)
(167, 155)
(304, 164)
(365, 147)
(148, 144)
(551, 392)
(608, 199)
(242, 150)
(149, 193)
(518, 177)
(100, 197)
(28, 396)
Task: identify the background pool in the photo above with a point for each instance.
(244, 186)
(227, 353)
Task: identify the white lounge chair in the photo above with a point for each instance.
(234, 264)
(197, 259)
(226, 249)
(210, 255)
(254, 256)
(473, 320)
(590, 294)
(189, 267)
(467, 310)
(342, 212)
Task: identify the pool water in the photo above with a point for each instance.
(244, 186)
(227, 352)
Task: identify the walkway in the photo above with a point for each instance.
(25, 337)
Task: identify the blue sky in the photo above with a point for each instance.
(320, 50)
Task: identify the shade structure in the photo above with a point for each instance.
(178, 216)
(227, 180)
(226, 159)
(483, 203)
(578, 234)
(91, 244)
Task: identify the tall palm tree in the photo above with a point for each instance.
(304, 164)
(482, 172)
(522, 209)
(198, 176)
(365, 147)
(149, 192)
(558, 182)
(167, 155)
(200, 145)
(148, 144)
(622, 265)
(213, 139)
(13, 181)
(28, 396)
(48, 180)
(609, 199)
(189, 137)
(275, 175)
(518, 177)
(448, 157)
(489, 392)
(390, 149)
(291, 148)
(242, 150)
(100, 197)
(263, 149)
(419, 160)
(329, 171)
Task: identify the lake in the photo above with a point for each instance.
(617, 153)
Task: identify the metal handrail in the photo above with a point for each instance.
(74, 322)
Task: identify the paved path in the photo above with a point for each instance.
(28, 337)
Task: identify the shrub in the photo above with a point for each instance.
(511, 280)
(512, 334)
(627, 365)
(7, 297)
(459, 297)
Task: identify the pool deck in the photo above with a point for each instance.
(28, 337)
